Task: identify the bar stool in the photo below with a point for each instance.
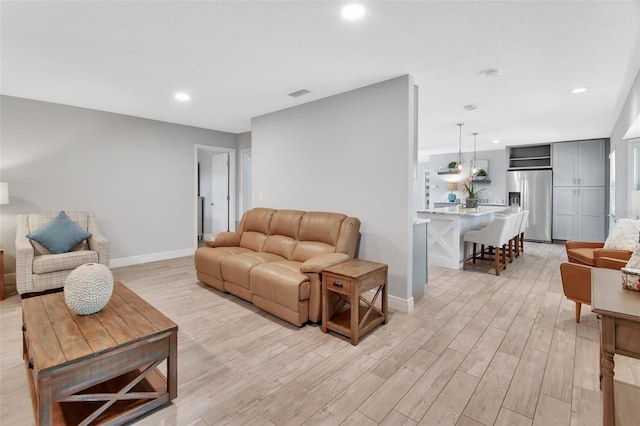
(495, 235)
(523, 225)
(515, 238)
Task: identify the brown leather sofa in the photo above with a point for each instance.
(276, 257)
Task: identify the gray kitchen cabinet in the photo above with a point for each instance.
(578, 213)
(580, 163)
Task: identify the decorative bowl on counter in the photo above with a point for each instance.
(631, 278)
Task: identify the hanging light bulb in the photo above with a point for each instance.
(474, 165)
(460, 160)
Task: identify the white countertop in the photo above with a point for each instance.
(461, 211)
(420, 221)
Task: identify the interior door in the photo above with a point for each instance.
(219, 193)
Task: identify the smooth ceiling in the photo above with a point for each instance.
(240, 59)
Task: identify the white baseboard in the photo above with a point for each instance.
(396, 303)
(152, 257)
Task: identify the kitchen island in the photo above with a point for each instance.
(446, 231)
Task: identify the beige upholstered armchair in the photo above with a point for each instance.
(37, 269)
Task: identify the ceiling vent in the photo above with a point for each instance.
(299, 93)
(471, 107)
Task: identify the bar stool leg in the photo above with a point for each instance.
(504, 256)
(464, 255)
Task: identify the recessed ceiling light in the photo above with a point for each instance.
(495, 141)
(579, 90)
(353, 11)
(181, 96)
(298, 93)
(493, 73)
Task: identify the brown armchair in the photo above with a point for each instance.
(576, 280)
(588, 252)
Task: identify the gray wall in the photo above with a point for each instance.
(350, 153)
(243, 142)
(494, 191)
(137, 175)
(629, 112)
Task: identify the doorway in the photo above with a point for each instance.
(215, 187)
(220, 198)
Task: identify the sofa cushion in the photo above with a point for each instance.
(47, 263)
(280, 245)
(321, 227)
(286, 222)
(36, 221)
(258, 220)
(209, 260)
(60, 234)
(624, 235)
(634, 261)
(582, 255)
(252, 240)
(236, 268)
(254, 228)
(281, 283)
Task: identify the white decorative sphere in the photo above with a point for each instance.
(88, 288)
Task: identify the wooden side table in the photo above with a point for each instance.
(1, 273)
(619, 332)
(349, 281)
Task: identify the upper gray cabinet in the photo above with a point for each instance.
(579, 163)
(529, 157)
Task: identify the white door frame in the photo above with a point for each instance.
(232, 185)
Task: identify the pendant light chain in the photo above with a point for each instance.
(474, 166)
(460, 146)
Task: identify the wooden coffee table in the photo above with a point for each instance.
(100, 368)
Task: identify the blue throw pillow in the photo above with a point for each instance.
(60, 235)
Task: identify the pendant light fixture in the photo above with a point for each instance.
(460, 160)
(474, 165)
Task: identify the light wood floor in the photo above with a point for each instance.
(477, 350)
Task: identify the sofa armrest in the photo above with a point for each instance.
(612, 253)
(24, 263)
(318, 263)
(583, 244)
(100, 244)
(226, 239)
(24, 250)
(576, 282)
(610, 263)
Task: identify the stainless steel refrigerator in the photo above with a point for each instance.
(531, 190)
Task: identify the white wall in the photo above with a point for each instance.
(629, 112)
(136, 174)
(350, 153)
